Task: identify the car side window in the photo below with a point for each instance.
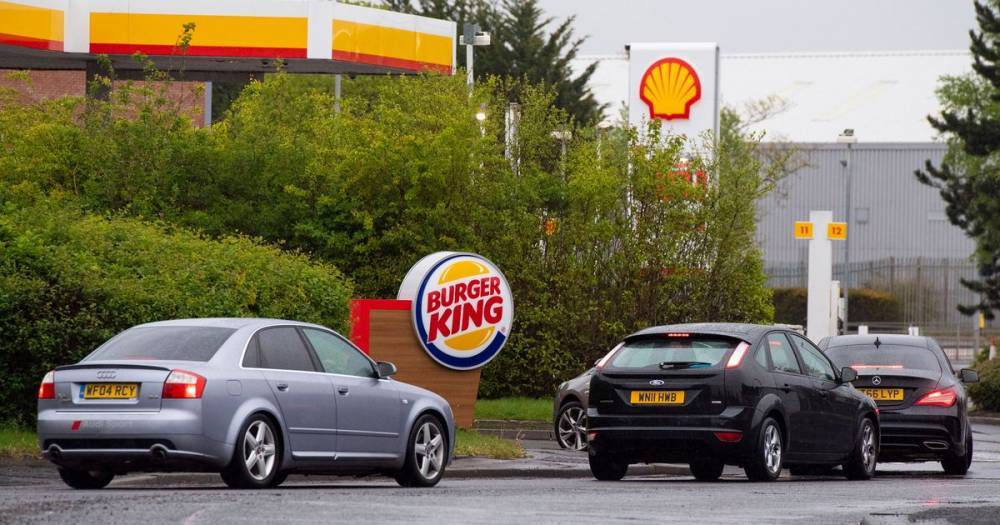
(281, 348)
(816, 364)
(251, 358)
(761, 357)
(782, 355)
(337, 355)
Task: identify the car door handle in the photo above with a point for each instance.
(343, 390)
(786, 388)
(823, 393)
(282, 386)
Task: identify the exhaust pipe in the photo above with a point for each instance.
(936, 445)
(54, 452)
(159, 452)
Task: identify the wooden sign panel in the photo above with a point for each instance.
(384, 329)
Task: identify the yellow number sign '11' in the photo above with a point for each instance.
(803, 230)
(836, 231)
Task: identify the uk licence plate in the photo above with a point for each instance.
(657, 397)
(884, 394)
(110, 391)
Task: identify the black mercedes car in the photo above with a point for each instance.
(711, 395)
(923, 407)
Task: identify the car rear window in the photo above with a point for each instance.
(164, 343)
(861, 357)
(672, 352)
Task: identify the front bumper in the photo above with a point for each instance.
(919, 434)
(671, 439)
(129, 441)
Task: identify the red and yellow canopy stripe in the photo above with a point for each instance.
(214, 35)
(392, 47)
(33, 27)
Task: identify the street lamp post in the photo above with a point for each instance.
(471, 37)
(847, 138)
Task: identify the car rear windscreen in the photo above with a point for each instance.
(672, 352)
(861, 357)
(164, 343)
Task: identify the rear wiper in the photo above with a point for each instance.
(684, 364)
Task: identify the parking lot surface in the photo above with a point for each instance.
(899, 494)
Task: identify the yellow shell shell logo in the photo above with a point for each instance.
(670, 87)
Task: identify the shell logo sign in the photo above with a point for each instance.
(462, 308)
(670, 87)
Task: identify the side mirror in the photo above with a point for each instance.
(848, 374)
(386, 369)
(968, 375)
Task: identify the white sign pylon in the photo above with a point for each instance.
(820, 309)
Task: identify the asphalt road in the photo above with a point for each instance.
(900, 494)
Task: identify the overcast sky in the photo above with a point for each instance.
(770, 26)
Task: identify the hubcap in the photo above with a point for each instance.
(259, 450)
(868, 447)
(772, 448)
(573, 428)
(428, 450)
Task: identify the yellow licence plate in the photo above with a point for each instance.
(884, 394)
(110, 391)
(657, 397)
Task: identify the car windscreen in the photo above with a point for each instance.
(164, 343)
(672, 352)
(867, 356)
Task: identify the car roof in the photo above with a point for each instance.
(869, 339)
(745, 331)
(235, 323)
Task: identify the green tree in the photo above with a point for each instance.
(968, 178)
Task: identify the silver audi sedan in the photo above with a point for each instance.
(252, 399)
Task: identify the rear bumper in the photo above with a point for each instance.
(915, 434)
(677, 439)
(165, 440)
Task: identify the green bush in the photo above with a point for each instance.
(865, 305)
(986, 393)
(69, 281)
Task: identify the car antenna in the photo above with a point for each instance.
(877, 342)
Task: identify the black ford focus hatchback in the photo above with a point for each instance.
(711, 395)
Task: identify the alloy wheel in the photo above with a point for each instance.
(772, 449)
(428, 450)
(868, 454)
(259, 448)
(573, 428)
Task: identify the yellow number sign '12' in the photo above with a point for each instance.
(836, 231)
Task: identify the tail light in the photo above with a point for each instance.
(607, 357)
(945, 397)
(736, 359)
(181, 384)
(729, 437)
(47, 390)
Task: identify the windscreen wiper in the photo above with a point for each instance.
(673, 365)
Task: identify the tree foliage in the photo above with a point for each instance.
(968, 177)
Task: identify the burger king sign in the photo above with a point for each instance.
(462, 308)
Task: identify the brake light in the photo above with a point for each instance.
(729, 437)
(736, 359)
(47, 390)
(607, 357)
(938, 398)
(181, 384)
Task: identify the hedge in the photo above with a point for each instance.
(69, 281)
(986, 393)
(865, 305)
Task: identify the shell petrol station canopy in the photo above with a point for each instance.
(236, 36)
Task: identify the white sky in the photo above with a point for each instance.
(769, 26)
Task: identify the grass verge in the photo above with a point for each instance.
(17, 442)
(517, 408)
(469, 443)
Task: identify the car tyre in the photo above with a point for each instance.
(768, 453)
(426, 454)
(85, 479)
(864, 458)
(256, 460)
(707, 469)
(571, 426)
(958, 465)
(605, 467)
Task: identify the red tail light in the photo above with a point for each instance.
(736, 359)
(181, 384)
(47, 390)
(729, 437)
(945, 397)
